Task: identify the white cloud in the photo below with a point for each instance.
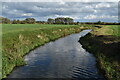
(26, 14)
(4, 6)
(109, 17)
(90, 17)
(95, 11)
(60, 9)
(102, 5)
(61, 2)
(62, 16)
(101, 17)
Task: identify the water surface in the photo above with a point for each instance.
(63, 58)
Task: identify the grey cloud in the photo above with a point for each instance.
(43, 10)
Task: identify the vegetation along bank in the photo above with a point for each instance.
(104, 43)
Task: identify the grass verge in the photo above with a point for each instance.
(104, 43)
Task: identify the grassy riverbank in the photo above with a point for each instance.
(104, 43)
(19, 39)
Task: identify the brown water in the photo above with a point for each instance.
(63, 58)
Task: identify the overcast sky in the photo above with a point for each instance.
(79, 11)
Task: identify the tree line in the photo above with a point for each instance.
(59, 20)
(26, 21)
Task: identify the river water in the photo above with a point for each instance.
(63, 58)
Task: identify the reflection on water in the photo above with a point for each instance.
(63, 58)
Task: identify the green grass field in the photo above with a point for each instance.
(10, 28)
(19, 39)
(115, 29)
(108, 30)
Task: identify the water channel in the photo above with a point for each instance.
(63, 58)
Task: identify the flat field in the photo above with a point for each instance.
(11, 28)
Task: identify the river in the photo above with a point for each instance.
(63, 58)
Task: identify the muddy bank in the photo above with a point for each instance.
(106, 49)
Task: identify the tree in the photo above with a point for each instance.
(62, 20)
(6, 20)
(99, 22)
(50, 21)
(68, 20)
(78, 22)
(14, 21)
(30, 20)
(22, 22)
(58, 20)
(18, 21)
(41, 22)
